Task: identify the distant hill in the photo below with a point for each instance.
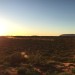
(67, 35)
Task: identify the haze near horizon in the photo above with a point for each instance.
(37, 17)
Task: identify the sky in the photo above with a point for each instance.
(37, 17)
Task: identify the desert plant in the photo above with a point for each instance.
(73, 70)
(64, 73)
(21, 71)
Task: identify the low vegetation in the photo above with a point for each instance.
(37, 55)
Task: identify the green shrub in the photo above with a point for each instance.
(64, 73)
(49, 73)
(73, 70)
(21, 71)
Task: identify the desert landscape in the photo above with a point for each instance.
(37, 37)
(37, 55)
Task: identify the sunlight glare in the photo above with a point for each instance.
(3, 30)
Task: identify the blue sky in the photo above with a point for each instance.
(37, 17)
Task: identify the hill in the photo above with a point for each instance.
(67, 35)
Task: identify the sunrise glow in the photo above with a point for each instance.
(35, 17)
(3, 30)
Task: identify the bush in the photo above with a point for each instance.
(49, 73)
(64, 73)
(73, 70)
(27, 71)
(22, 71)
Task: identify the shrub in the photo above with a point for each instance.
(22, 71)
(64, 73)
(73, 70)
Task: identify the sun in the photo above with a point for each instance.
(3, 30)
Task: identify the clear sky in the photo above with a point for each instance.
(37, 17)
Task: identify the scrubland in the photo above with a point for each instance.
(37, 55)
